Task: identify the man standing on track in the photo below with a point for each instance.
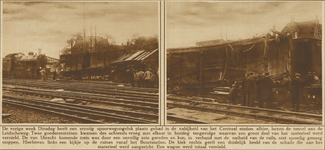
(296, 91)
(259, 87)
(147, 78)
(244, 90)
(266, 91)
(309, 79)
(140, 74)
(54, 74)
(250, 87)
(43, 74)
(136, 78)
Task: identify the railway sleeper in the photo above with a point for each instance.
(54, 112)
(107, 100)
(85, 108)
(228, 112)
(92, 95)
(94, 114)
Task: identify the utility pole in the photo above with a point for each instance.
(221, 34)
(95, 40)
(226, 32)
(83, 46)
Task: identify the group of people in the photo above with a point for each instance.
(260, 88)
(145, 79)
(43, 73)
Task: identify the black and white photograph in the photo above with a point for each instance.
(244, 62)
(80, 62)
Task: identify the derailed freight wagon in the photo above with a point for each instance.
(88, 64)
(107, 64)
(122, 69)
(296, 49)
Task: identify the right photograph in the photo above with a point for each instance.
(244, 62)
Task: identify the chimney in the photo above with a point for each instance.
(30, 53)
(316, 20)
(292, 18)
(39, 51)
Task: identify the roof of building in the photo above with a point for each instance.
(29, 58)
(9, 55)
(218, 45)
(138, 55)
(305, 29)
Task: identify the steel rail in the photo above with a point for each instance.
(76, 109)
(244, 114)
(82, 119)
(83, 96)
(131, 89)
(90, 88)
(317, 117)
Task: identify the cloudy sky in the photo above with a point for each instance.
(190, 22)
(28, 26)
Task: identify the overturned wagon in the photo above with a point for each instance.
(107, 64)
(297, 48)
(87, 64)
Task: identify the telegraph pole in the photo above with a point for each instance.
(83, 46)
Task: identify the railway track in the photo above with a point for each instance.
(84, 88)
(145, 103)
(153, 90)
(83, 113)
(135, 103)
(103, 103)
(80, 85)
(279, 116)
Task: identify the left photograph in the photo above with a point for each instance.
(80, 62)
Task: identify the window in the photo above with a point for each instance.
(296, 35)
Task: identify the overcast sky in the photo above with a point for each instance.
(28, 26)
(190, 22)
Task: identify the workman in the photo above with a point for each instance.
(259, 86)
(296, 91)
(250, 86)
(266, 91)
(286, 83)
(153, 80)
(136, 78)
(232, 96)
(147, 78)
(243, 90)
(309, 79)
(140, 74)
(43, 74)
(316, 79)
(54, 74)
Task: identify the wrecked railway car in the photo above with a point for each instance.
(87, 64)
(296, 49)
(101, 64)
(121, 70)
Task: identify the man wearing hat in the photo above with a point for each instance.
(232, 96)
(250, 86)
(259, 86)
(309, 79)
(266, 91)
(296, 90)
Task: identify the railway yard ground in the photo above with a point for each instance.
(218, 111)
(103, 102)
(70, 101)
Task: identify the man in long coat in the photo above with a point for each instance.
(250, 86)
